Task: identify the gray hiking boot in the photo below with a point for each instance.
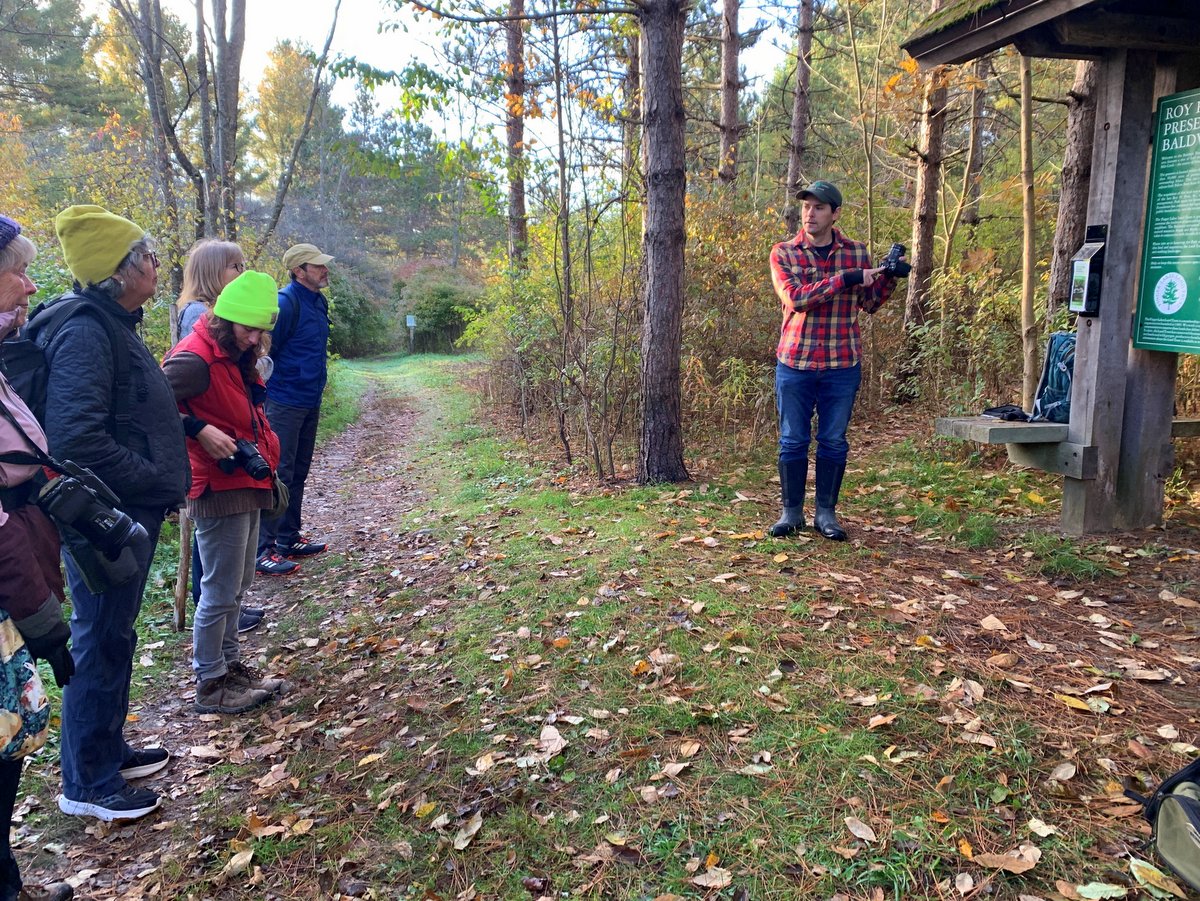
(226, 694)
(254, 678)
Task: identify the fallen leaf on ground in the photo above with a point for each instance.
(1149, 875)
(463, 837)
(860, 829)
(714, 878)
(1018, 860)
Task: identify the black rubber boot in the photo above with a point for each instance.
(829, 484)
(792, 476)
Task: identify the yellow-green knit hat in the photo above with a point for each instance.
(94, 241)
(251, 299)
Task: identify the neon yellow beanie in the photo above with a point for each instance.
(94, 241)
(251, 299)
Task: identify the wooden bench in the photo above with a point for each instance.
(1041, 445)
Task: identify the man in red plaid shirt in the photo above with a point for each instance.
(822, 279)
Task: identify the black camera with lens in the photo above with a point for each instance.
(79, 499)
(893, 265)
(248, 458)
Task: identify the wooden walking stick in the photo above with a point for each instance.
(185, 566)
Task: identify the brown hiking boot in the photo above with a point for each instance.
(252, 677)
(226, 694)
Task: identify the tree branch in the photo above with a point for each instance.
(285, 180)
(439, 13)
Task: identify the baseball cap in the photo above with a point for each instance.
(824, 191)
(299, 254)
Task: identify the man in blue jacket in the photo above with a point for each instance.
(299, 345)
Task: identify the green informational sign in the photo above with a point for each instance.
(1168, 307)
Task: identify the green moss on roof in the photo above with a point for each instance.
(950, 15)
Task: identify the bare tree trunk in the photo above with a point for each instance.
(518, 234)
(730, 130)
(285, 178)
(800, 113)
(1076, 178)
(230, 34)
(566, 297)
(924, 222)
(1029, 349)
(974, 172)
(660, 457)
(204, 91)
(967, 208)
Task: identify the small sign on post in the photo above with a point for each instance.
(411, 321)
(1168, 299)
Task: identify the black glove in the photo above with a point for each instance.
(52, 647)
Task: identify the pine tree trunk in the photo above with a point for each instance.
(1076, 178)
(661, 444)
(518, 234)
(800, 112)
(924, 222)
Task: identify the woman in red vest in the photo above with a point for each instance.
(233, 453)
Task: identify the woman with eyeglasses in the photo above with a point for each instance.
(109, 408)
(211, 265)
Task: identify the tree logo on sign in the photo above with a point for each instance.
(1170, 293)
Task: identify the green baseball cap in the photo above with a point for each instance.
(823, 191)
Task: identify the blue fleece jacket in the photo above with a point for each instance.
(299, 347)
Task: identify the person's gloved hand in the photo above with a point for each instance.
(52, 647)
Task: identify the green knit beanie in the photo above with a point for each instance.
(94, 241)
(251, 299)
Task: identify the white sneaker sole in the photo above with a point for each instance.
(87, 809)
(146, 769)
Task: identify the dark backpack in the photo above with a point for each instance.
(1173, 811)
(23, 358)
(1052, 402)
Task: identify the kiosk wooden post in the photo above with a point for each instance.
(1117, 454)
(1117, 197)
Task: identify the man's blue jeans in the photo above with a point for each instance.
(96, 701)
(297, 431)
(828, 392)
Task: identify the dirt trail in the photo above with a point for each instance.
(360, 487)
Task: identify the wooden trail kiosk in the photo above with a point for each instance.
(1116, 453)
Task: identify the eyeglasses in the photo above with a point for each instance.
(154, 259)
(240, 267)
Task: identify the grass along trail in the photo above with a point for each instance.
(511, 682)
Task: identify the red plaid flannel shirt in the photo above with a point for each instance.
(820, 313)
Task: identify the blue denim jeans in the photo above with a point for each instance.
(228, 546)
(96, 702)
(828, 392)
(297, 431)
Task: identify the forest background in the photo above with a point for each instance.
(532, 196)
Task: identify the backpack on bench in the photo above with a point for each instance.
(1052, 402)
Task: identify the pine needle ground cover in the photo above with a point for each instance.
(513, 682)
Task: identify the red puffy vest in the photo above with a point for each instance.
(226, 405)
